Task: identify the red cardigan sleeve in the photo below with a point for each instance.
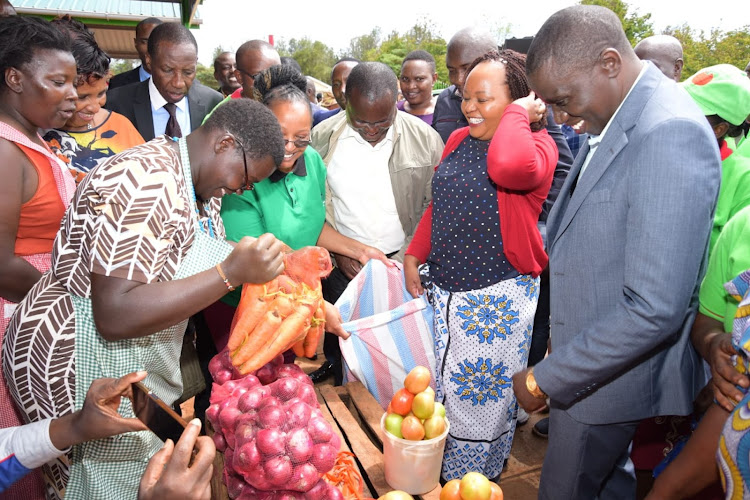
(421, 242)
(518, 159)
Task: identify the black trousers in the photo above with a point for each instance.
(540, 333)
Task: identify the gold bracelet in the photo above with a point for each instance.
(223, 277)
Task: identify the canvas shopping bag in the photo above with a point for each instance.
(391, 332)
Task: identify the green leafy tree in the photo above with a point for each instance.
(363, 47)
(205, 75)
(117, 66)
(636, 27)
(701, 50)
(314, 57)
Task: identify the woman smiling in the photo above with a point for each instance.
(484, 254)
(418, 76)
(93, 133)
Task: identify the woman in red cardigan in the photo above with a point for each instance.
(484, 254)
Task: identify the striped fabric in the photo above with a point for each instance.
(391, 331)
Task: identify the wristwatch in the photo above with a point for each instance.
(532, 387)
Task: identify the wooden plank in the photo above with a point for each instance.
(344, 446)
(368, 455)
(368, 408)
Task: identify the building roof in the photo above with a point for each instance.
(113, 21)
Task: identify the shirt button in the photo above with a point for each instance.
(291, 189)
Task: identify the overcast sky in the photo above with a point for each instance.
(229, 23)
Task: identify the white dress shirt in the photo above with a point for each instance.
(161, 115)
(364, 207)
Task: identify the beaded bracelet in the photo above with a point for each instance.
(223, 277)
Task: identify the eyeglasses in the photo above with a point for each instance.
(248, 185)
(298, 143)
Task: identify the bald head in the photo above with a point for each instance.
(665, 52)
(251, 58)
(575, 37)
(463, 48)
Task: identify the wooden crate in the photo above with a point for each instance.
(355, 416)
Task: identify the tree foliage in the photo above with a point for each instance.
(636, 27)
(701, 49)
(315, 58)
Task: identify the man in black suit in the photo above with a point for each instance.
(142, 32)
(171, 101)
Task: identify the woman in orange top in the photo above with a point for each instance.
(93, 133)
(36, 91)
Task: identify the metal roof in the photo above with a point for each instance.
(112, 21)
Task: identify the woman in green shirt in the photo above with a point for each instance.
(290, 204)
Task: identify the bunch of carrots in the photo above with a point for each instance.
(345, 476)
(287, 312)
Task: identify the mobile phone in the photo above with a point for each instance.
(156, 414)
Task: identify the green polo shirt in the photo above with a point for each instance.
(730, 257)
(734, 193)
(291, 207)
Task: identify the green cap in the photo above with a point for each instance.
(722, 90)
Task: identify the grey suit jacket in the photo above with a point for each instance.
(627, 250)
(134, 102)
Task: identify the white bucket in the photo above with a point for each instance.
(413, 466)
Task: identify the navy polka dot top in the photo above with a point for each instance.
(466, 248)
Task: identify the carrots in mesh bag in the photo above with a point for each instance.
(345, 476)
(285, 312)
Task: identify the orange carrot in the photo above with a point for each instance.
(313, 335)
(246, 319)
(249, 292)
(299, 349)
(282, 304)
(287, 284)
(292, 330)
(257, 338)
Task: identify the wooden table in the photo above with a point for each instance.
(355, 416)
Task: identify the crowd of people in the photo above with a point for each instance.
(577, 216)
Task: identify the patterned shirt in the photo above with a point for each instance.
(131, 219)
(467, 247)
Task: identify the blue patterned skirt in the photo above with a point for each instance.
(482, 338)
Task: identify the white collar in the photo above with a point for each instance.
(350, 133)
(158, 101)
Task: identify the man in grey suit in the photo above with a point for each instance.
(627, 240)
(171, 101)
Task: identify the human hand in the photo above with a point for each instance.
(534, 106)
(99, 417)
(171, 476)
(526, 400)
(255, 260)
(350, 267)
(725, 376)
(411, 276)
(333, 321)
(369, 253)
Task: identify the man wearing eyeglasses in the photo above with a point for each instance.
(380, 165)
(142, 31)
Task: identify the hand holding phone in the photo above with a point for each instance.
(182, 470)
(156, 414)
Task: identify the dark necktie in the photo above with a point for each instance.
(173, 126)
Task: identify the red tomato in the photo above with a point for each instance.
(417, 380)
(450, 490)
(497, 492)
(401, 402)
